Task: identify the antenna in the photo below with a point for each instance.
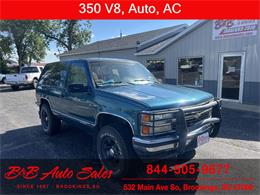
(121, 34)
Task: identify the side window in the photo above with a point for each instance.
(54, 75)
(156, 67)
(77, 78)
(190, 71)
(151, 67)
(45, 76)
(160, 67)
(29, 70)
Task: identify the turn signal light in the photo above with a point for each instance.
(146, 118)
(145, 130)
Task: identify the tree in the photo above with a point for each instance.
(30, 38)
(37, 49)
(68, 34)
(29, 44)
(5, 52)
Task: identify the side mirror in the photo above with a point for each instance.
(78, 88)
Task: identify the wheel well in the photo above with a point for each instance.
(44, 101)
(107, 119)
(35, 78)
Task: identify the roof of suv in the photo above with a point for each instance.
(101, 59)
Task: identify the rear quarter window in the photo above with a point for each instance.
(54, 75)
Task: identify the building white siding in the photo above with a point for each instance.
(199, 43)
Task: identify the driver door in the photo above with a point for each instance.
(79, 99)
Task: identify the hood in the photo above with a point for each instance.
(161, 96)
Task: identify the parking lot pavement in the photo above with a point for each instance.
(21, 135)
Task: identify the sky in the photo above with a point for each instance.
(106, 29)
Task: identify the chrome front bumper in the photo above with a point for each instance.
(184, 135)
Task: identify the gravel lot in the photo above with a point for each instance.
(21, 135)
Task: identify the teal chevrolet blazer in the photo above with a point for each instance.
(131, 113)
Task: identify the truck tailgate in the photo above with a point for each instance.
(15, 78)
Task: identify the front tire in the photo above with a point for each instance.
(50, 123)
(114, 150)
(215, 130)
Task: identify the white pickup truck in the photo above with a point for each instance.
(27, 76)
(2, 78)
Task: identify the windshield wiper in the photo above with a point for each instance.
(136, 80)
(140, 80)
(116, 82)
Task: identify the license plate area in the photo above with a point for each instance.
(203, 139)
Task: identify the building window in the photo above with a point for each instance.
(156, 67)
(190, 71)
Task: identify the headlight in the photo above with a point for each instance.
(157, 123)
(163, 116)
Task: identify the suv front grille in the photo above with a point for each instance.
(197, 116)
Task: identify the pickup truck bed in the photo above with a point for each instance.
(27, 76)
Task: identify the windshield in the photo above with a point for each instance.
(107, 73)
(29, 70)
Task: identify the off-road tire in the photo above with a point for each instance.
(50, 123)
(123, 143)
(215, 130)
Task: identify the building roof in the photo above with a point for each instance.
(125, 42)
(154, 49)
